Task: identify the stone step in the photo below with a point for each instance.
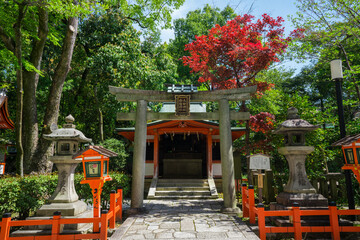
(183, 197)
(182, 183)
(196, 185)
(182, 188)
(182, 180)
(182, 193)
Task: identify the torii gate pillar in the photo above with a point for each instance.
(227, 159)
(138, 174)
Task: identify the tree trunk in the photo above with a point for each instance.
(101, 125)
(101, 119)
(348, 66)
(247, 144)
(20, 92)
(44, 147)
(31, 79)
(30, 122)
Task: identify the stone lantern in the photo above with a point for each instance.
(298, 188)
(65, 198)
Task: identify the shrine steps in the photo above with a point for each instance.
(182, 189)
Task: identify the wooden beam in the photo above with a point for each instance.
(130, 95)
(193, 116)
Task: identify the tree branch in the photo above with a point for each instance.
(8, 41)
(39, 44)
(137, 21)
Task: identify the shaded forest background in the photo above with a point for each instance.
(120, 45)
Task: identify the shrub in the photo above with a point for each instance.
(25, 195)
(118, 179)
(116, 163)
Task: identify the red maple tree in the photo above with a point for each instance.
(231, 56)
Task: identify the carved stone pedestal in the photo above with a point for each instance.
(64, 200)
(299, 189)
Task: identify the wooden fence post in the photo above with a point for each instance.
(261, 221)
(334, 221)
(112, 208)
(324, 188)
(251, 204)
(268, 186)
(297, 221)
(244, 200)
(55, 228)
(104, 224)
(5, 226)
(119, 203)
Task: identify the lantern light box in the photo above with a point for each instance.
(351, 150)
(95, 161)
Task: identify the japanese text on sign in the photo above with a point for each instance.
(259, 161)
(182, 105)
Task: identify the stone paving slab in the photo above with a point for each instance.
(183, 219)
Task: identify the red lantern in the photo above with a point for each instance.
(351, 149)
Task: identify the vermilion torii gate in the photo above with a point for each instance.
(224, 115)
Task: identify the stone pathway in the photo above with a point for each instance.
(186, 219)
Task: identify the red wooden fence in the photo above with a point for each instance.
(115, 213)
(249, 210)
(248, 202)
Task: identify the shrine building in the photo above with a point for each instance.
(7, 150)
(182, 149)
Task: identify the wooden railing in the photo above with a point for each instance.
(107, 219)
(329, 185)
(295, 214)
(248, 202)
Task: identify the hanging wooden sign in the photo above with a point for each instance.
(182, 105)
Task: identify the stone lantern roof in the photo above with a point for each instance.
(68, 132)
(294, 123)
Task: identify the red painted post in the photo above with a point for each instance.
(119, 203)
(112, 208)
(244, 200)
(55, 229)
(261, 221)
(334, 221)
(296, 221)
(251, 204)
(5, 226)
(104, 225)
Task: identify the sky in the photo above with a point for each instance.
(274, 8)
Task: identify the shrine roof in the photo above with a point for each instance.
(181, 88)
(346, 140)
(5, 121)
(154, 123)
(180, 126)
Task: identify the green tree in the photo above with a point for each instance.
(25, 29)
(113, 55)
(196, 23)
(331, 32)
